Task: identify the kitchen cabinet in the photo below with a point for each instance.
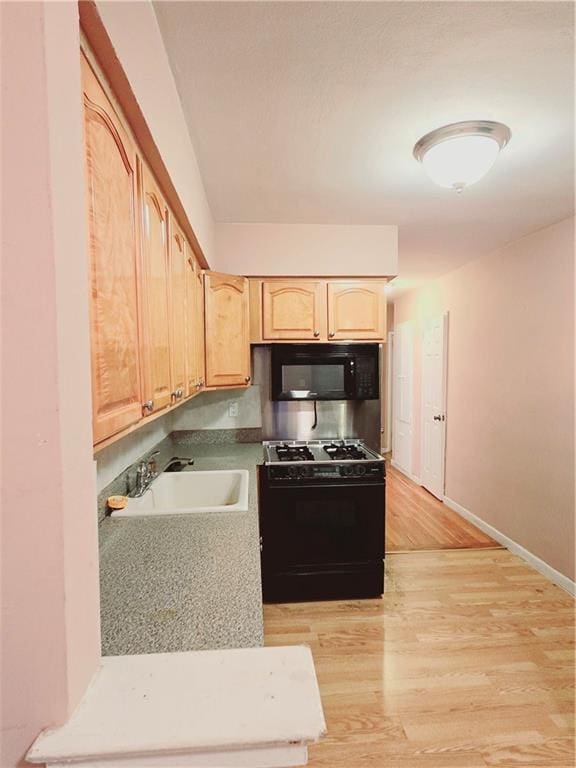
(155, 281)
(294, 310)
(111, 195)
(305, 309)
(356, 310)
(181, 356)
(226, 326)
(194, 326)
(199, 336)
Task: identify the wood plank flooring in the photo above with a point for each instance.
(416, 520)
(467, 662)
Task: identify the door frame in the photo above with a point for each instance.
(388, 403)
(397, 349)
(446, 322)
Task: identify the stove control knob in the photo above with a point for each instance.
(292, 472)
(360, 469)
(347, 470)
(305, 471)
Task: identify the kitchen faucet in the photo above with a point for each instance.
(145, 475)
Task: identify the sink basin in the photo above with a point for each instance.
(187, 493)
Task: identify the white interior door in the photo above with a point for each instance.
(434, 347)
(402, 372)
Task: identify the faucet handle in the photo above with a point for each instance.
(151, 462)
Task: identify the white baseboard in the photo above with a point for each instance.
(409, 475)
(542, 567)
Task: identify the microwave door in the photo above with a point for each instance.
(313, 380)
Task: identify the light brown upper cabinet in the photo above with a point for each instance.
(156, 320)
(194, 326)
(200, 326)
(190, 318)
(307, 309)
(113, 247)
(180, 354)
(356, 310)
(226, 323)
(293, 309)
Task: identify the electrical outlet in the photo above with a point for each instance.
(233, 410)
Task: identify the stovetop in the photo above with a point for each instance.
(308, 451)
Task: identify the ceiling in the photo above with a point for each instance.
(307, 112)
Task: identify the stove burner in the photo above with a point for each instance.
(344, 452)
(294, 453)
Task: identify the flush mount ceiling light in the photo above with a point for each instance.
(460, 154)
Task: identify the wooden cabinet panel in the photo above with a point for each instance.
(190, 327)
(293, 309)
(157, 369)
(179, 269)
(356, 310)
(113, 248)
(226, 323)
(200, 329)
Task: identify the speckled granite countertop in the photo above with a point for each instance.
(184, 582)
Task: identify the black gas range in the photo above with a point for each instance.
(322, 516)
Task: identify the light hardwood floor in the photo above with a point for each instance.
(416, 520)
(467, 662)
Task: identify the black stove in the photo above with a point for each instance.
(322, 520)
(286, 452)
(345, 452)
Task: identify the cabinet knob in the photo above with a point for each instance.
(247, 379)
(148, 406)
(178, 393)
(331, 335)
(316, 334)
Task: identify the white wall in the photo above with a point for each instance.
(510, 414)
(50, 593)
(306, 249)
(211, 410)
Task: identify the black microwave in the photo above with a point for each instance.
(325, 372)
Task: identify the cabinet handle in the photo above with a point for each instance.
(247, 379)
(177, 394)
(331, 335)
(148, 406)
(316, 334)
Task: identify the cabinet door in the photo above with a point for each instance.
(227, 340)
(158, 390)
(113, 248)
(195, 365)
(178, 311)
(293, 310)
(200, 335)
(356, 310)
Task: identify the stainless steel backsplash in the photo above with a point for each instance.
(293, 420)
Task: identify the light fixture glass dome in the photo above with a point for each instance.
(460, 154)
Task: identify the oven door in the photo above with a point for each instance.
(322, 542)
(322, 525)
